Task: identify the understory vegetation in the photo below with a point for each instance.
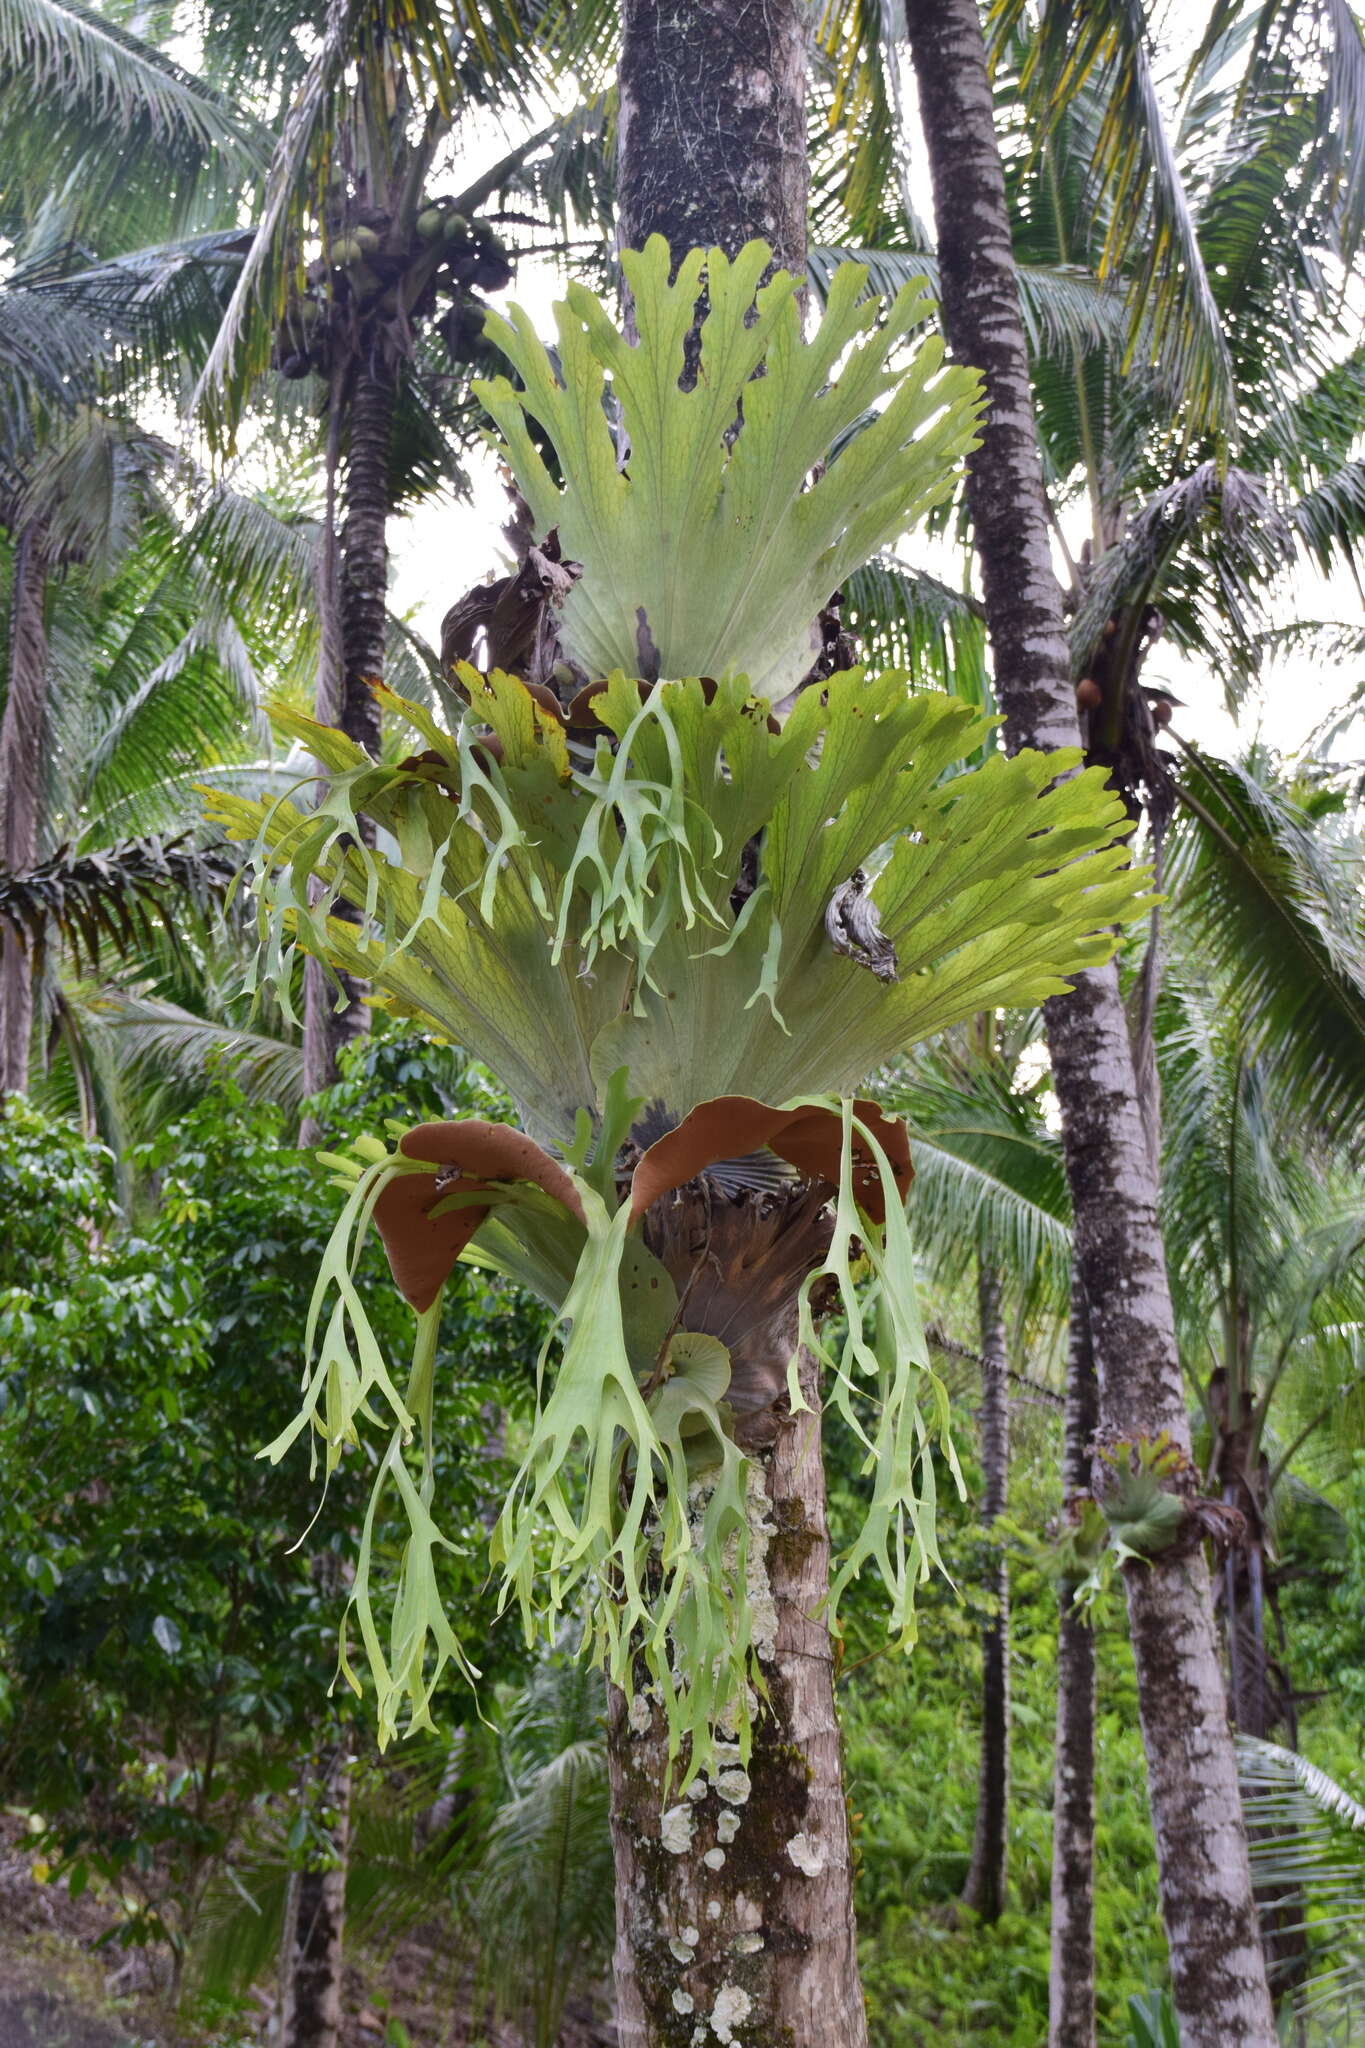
(167, 1648)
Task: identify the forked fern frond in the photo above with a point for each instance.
(706, 554)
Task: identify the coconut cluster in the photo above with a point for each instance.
(376, 273)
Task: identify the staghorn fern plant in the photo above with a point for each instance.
(650, 914)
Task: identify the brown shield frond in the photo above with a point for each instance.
(468, 1157)
(810, 1139)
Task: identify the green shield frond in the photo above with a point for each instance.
(708, 554)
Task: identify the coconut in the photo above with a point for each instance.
(456, 228)
(366, 240)
(430, 224)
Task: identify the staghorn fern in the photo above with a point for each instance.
(578, 926)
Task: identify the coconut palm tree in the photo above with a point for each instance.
(1259, 1051)
(381, 325)
(1025, 614)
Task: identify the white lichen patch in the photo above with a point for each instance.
(675, 1830)
(691, 1936)
(762, 1605)
(734, 1786)
(713, 1909)
(746, 1944)
(698, 1790)
(731, 2009)
(807, 1855)
(679, 1951)
(683, 2002)
(714, 1859)
(639, 1715)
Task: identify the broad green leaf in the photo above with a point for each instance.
(707, 554)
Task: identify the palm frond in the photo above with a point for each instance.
(858, 45)
(256, 556)
(1148, 229)
(199, 703)
(92, 485)
(1330, 519)
(50, 361)
(989, 1176)
(902, 617)
(152, 1039)
(1316, 48)
(1064, 306)
(1206, 547)
(157, 308)
(1307, 1834)
(89, 108)
(1273, 921)
(110, 898)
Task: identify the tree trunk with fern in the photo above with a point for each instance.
(1217, 1967)
(735, 1905)
(986, 1875)
(1071, 1981)
(21, 783)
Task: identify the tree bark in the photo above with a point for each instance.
(21, 786)
(711, 133)
(1216, 1963)
(755, 1946)
(353, 619)
(364, 549)
(311, 2014)
(1071, 1982)
(734, 1906)
(986, 1875)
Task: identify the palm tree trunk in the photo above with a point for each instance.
(734, 1909)
(744, 1933)
(364, 549)
(1217, 1968)
(711, 127)
(353, 619)
(311, 2016)
(21, 780)
(1071, 1983)
(985, 1885)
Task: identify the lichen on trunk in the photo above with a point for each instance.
(734, 1902)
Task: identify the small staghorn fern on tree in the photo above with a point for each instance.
(683, 914)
